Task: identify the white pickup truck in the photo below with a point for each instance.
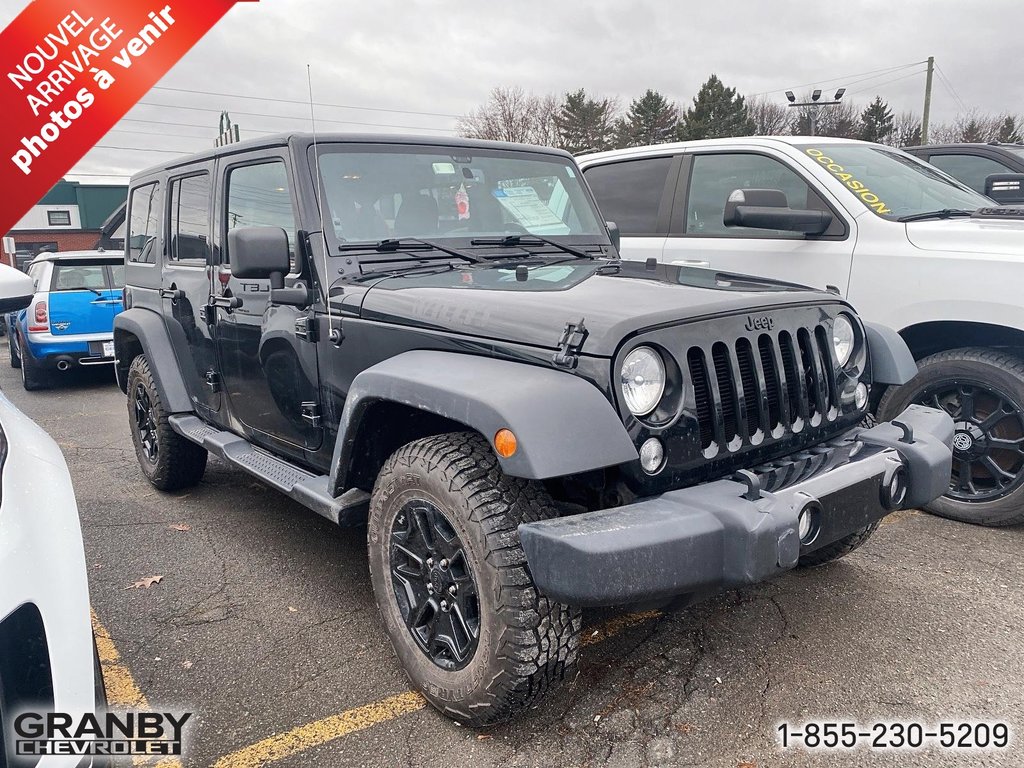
(911, 248)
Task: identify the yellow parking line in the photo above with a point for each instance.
(321, 732)
(122, 690)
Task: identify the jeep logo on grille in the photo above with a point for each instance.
(762, 323)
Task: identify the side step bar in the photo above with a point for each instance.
(306, 488)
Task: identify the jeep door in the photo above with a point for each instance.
(697, 232)
(185, 284)
(269, 373)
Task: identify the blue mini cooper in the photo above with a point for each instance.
(71, 318)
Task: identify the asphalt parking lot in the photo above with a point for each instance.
(264, 626)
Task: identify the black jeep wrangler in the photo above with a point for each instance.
(436, 338)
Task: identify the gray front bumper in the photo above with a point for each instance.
(724, 533)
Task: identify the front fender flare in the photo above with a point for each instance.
(148, 327)
(891, 359)
(564, 424)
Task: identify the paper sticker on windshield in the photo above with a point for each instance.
(444, 169)
(526, 206)
(861, 190)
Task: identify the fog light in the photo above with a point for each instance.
(894, 493)
(860, 395)
(652, 455)
(808, 523)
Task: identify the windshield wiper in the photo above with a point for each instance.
(395, 244)
(513, 241)
(944, 213)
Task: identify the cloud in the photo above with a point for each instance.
(432, 57)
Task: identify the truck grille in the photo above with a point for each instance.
(745, 392)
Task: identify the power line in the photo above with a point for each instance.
(886, 82)
(146, 149)
(306, 103)
(295, 117)
(949, 87)
(876, 72)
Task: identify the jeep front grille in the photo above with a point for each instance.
(742, 397)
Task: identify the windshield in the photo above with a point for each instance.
(376, 193)
(890, 183)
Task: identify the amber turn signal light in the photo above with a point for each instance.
(505, 443)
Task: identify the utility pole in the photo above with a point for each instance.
(927, 100)
(814, 105)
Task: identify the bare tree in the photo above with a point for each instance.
(512, 114)
(906, 130)
(770, 117)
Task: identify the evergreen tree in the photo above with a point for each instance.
(585, 124)
(717, 111)
(651, 119)
(973, 132)
(876, 122)
(1009, 133)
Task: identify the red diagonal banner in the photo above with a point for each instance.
(70, 69)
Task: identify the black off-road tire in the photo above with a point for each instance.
(526, 643)
(837, 549)
(177, 462)
(33, 376)
(1002, 371)
(13, 346)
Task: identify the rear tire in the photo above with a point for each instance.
(13, 346)
(168, 460)
(451, 487)
(837, 549)
(33, 376)
(983, 390)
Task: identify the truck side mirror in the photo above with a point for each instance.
(1005, 188)
(16, 289)
(769, 209)
(614, 235)
(260, 253)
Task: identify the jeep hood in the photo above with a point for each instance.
(989, 236)
(615, 300)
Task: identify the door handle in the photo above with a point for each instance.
(172, 293)
(226, 302)
(691, 263)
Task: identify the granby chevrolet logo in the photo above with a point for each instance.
(130, 733)
(762, 323)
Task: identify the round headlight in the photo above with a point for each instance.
(643, 380)
(843, 339)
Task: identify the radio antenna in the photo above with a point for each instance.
(333, 334)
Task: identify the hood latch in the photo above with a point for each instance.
(569, 344)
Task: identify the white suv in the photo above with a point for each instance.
(911, 247)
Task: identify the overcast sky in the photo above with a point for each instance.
(420, 56)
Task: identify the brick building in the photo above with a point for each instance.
(70, 217)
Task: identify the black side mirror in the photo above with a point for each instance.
(16, 289)
(769, 209)
(259, 253)
(1005, 188)
(614, 235)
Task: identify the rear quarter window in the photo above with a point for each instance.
(144, 222)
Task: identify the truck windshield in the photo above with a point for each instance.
(890, 183)
(380, 192)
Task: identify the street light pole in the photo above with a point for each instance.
(815, 104)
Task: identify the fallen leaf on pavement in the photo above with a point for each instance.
(146, 583)
(746, 765)
(484, 737)
(180, 527)
(187, 664)
(292, 609)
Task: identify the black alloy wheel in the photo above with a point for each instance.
(434, 585)
(988, 444)
(145, 423)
